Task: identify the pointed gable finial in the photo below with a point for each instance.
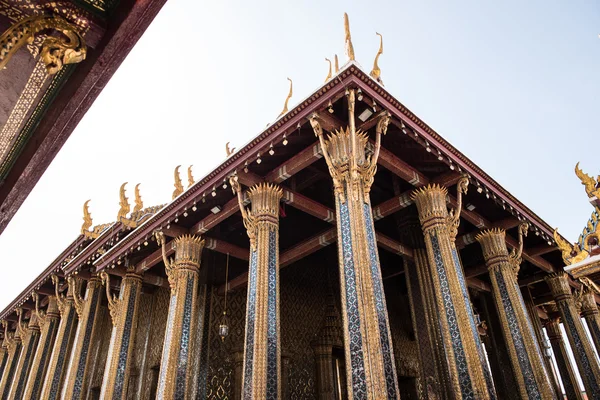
(139, 204)
(124, 203)
(87, 218)
(349, 47)
(178, 185)
(329, 74)
(229, 150)
(376, 71)
(190, 176)
(287, 99)
(337, 64)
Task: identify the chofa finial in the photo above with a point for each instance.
(591, 184)
(348, 39)
(190, 176)
(376, 71)
(87, 218)
(139, 204)
(229, 150)
(329, 74)
(178, 185)
(124, 203)
(287, 99)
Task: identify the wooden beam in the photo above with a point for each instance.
(541, 250)
(476, 271)
(175, 230)
(469, 238)
(147, 278)
(295, 164)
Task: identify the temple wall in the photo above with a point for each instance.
(99, 351)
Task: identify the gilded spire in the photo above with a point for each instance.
(139, 204)
(376, 71)
(87, 218)
(329, 74)
(190, 176)
(336, 64)
(287, 99)
(124, 203)
(178, 185)
(349, 47)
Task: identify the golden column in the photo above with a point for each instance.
(64, 337)
(88, 308)
(523, 349)
(370, 366)
(565, 368)
(13, 343)
(589, 311)
(468, 367)
(3, 357)
(585, 358)
(48, 322)
(30, 334)
(124, 314)
(262, 350)
(175, 380)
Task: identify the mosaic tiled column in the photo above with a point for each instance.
(124, 313)
(525, 355)
(3, 358)
(566, 370)
(88, 309)
(589, 311)
(175, 380)
(14, 345)
(434, 378)
(542, 341)
(370, 366)
(586, 360)
(262, 345)
(48, 322)
(30, 334)
(57, 366)
(471, 379)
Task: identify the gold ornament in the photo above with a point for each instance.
(190, 176)
(591, 184)
(178, 185)
(329, 74)
(376, 71)
(287, 99)
(70, 48)
(348, 38)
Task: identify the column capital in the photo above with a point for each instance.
(431, 203)
(586, 302)
(559, 285)
(264, 199)
(493, 244)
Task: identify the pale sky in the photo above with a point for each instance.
(514, 87)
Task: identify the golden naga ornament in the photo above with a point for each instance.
(348, 38)
(125, 207)
(376, 71)
(329, 74)
(336, 64)
(592, 186)
(287, 99)
(229, 151)
(190, 177)
(139, 204)
(55, 52)
(87, 219)
(178, 184)
(113, 300)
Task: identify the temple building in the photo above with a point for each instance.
(346, 252)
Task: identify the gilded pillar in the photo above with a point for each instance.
(30, 334)
(370, 366)
(586, 360)
(523, 349)
(3, 358)
(88, 309)
(48, 322)
(542, 341)
(465, 356)
(261, 377)
(61, 349)
(175, 380)
(589, 311)
(123, 313)
(566, 370)
(14, 344)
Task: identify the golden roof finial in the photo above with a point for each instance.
(87, 218)
(228, 150)
(287, 99)
(589, 182)
(329, 73)
(376, 71)
(178, 185)
(139, 204)
(337, 64)
(124, 203)
(190, 176)
(349, 47)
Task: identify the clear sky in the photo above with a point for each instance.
(514, 86)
